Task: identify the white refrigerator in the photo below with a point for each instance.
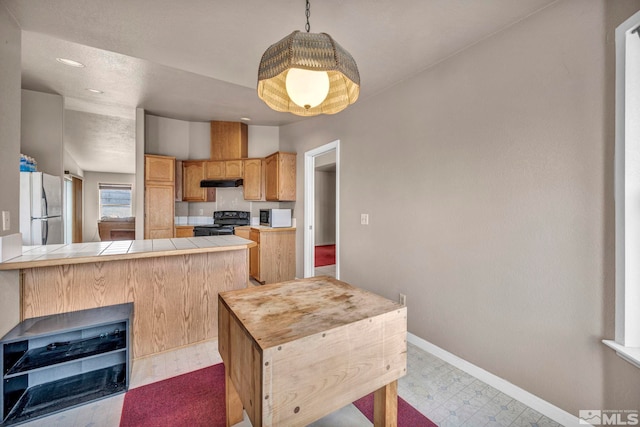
(40, 208)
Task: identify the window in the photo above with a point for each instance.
(627, 192)
(115, 200)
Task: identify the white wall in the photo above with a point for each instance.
(496, 170)
(10, 101)
(263, 140)
(192, 140)
(70, 164)
(92, 202)
(42, 130)
(171, 137)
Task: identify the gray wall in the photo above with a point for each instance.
(42, 130)
(10, 100)
(496, 167)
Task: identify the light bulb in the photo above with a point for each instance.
(307, 88)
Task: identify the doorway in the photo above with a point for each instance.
(73, 209)
(321, 214)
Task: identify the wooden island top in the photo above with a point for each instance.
(172, 283)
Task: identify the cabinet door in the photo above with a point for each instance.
(280, 177)
(271, 177)
(287, 176)
(184, 231)
(254, 256)
(192, 174)
(158, 211)
(214, 170)
(252, 186)
(233, 168)
(159, 169)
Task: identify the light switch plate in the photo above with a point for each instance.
(6, 220)
(364, 219)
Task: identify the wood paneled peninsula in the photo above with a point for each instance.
(173, 283)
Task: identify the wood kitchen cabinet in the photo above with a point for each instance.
(192, 174)
(229, 140)
(159, 169)
(253, 181)
(227, 169)
(184, 230)
(159, 196)
(273, 259)
(280, 177)
(254, 255)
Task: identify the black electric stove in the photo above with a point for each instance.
(223, 223)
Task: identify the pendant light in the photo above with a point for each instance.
(308, 74)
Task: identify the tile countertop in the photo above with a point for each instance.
(79, 253)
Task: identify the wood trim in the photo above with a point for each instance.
(76, 217)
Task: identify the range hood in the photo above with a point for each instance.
(206, 183)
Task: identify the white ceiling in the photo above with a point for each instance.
(197, 60)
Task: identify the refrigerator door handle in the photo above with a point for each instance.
(45, 230)
(44, 203)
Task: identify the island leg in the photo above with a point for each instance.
(232, 400)
(385, 406)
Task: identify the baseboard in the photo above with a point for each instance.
(531, 400)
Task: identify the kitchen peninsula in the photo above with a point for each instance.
(173, 283)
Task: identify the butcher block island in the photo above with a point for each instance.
(172, 283)
(296, 351)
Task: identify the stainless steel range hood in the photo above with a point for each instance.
(206, 183)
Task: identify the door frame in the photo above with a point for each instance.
(309, 206)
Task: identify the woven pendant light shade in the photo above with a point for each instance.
(308, 51)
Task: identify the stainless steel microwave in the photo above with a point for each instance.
(275, 217)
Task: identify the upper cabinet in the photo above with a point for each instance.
(159, 169)
(229, 140)
(192, 174)
(228, 169)
(253, 181)
(280, 177)
(159, 195)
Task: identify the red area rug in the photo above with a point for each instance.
(407, 414)
(196, 399)
(325, 255)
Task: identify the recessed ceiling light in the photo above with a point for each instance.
(94, 90)
(245, 118)
(70, 62)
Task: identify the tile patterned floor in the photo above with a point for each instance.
(445, 394)
(450, 397)
(327, 270)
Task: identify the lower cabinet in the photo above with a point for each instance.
(184, 230)
(254, 255)
(273, 260)
(53, 363)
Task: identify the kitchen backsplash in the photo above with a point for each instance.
(227, 199)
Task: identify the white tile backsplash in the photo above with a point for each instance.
(231, 199)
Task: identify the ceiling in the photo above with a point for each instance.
(197, 60)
